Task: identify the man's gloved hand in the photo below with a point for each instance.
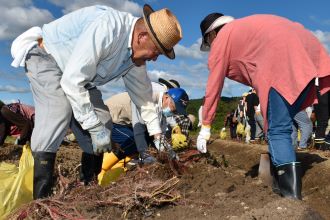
(17, 140)
(159, 144)
(20, 141)
(201, 144)
(163, 145)
(176, 130)
(172, 155)
(146, 158)
(203, 137)
(179, 142)
(100, 139)
(223, 133)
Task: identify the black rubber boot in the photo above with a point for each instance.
(43, 174)
(98, 160)
(275, 186)
(326, 145)
(319, 143)
(91, 166)
(289, 180)
(327, 142)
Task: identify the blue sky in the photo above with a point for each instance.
(190, 65)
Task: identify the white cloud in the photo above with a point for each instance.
(15, 3)
(190, 52)
(17, 16)
(319, 20)
(185, 80)
(150, 1)
(190, 84)
(14, 89)
(21, 76)
(122, 5)
(9, 101)
(197, 70)
(324, 37)
(233, 88)
(195, 84)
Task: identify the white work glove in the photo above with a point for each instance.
(159, 145)
(163, 145)
(203, 137)
(17, 141)
(100, 139)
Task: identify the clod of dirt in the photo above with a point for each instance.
(281, 209)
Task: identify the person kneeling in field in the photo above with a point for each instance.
(131, 132)
(280, 59)
(16, 119)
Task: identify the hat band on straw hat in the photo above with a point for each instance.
(163, 28)
(156, 38)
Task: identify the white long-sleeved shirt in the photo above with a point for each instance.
(92, 46)
(124, 112)
(200, 116)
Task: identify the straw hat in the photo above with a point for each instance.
(164, 29)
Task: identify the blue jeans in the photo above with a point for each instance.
(280, 119)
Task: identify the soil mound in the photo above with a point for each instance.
(221, 185)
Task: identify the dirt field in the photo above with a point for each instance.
(204, 191)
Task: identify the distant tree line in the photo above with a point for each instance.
(226, 105)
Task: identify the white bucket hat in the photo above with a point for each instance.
(211, 22)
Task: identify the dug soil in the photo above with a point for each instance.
(221, 185)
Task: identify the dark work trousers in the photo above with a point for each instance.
(252, 123)
(322, 115)
(124, 136)
(233, 134)
(9, 118)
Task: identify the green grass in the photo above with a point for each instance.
(10, 140)
(225, 105)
